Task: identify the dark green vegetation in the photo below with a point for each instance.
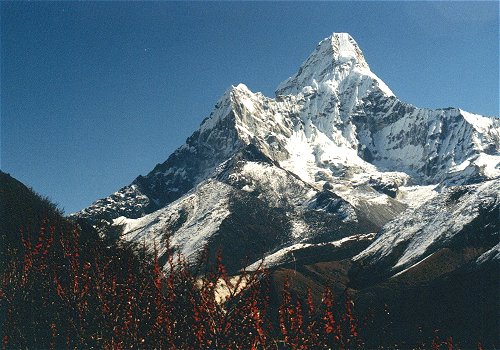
(19, 207)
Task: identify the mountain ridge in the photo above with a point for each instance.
(345, 154)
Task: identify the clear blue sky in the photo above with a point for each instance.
(95, 93)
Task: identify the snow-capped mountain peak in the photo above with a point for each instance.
(336, 62)
(334, 154)
(345, 47)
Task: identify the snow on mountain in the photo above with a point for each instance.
(336, 64)
(335, 153)
(286, 255)
(460, 217)
(201, 212)
(491, 255)
(251, 206)
(429, 144)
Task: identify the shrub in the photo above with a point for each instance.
(65, 291)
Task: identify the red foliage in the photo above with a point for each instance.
(68, 293)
